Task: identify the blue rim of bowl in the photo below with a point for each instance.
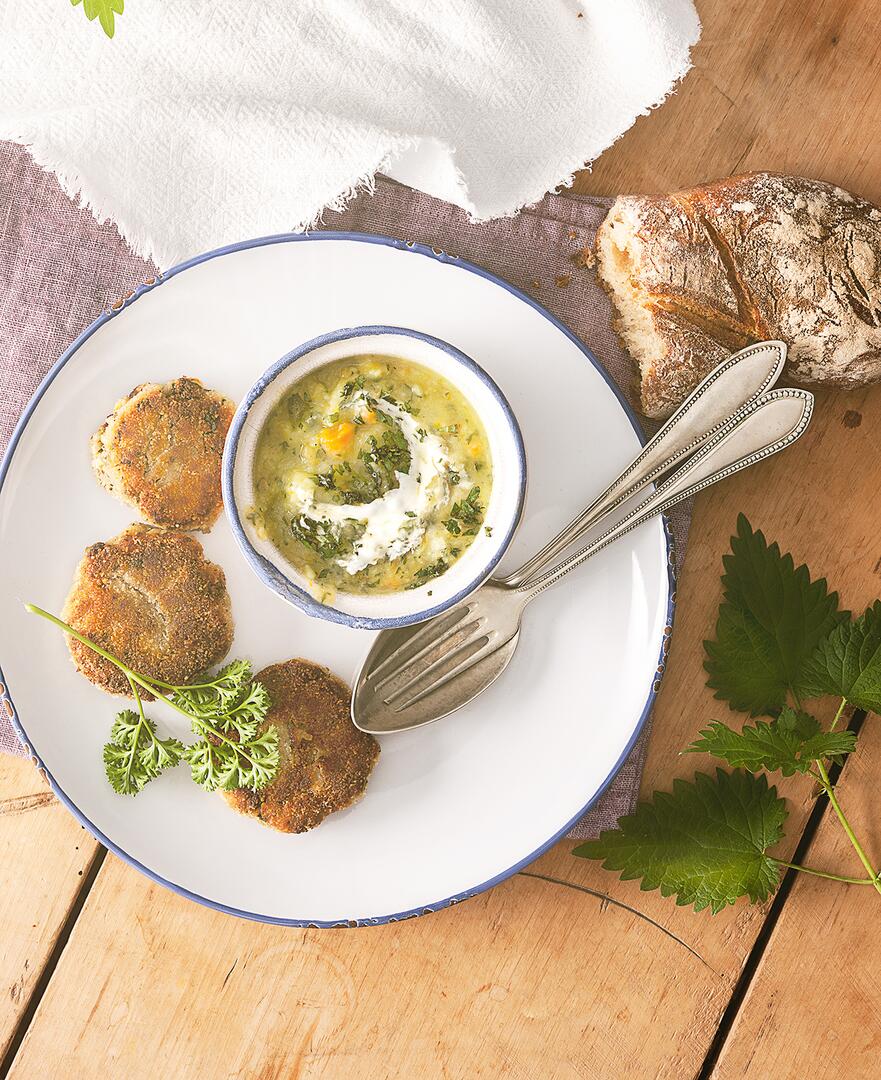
(272, 576)
(657, 673)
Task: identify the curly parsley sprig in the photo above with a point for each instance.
(225, 712)
(135, 754)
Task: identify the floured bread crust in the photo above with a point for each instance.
(699, 274)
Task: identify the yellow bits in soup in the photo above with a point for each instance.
(372, 475)
(337, 438)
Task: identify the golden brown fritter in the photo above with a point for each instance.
(151, 598)
(324, 760)
(160, 450)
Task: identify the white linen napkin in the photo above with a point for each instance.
(203, 122)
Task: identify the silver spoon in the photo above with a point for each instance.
(416, 675)
(732, 385)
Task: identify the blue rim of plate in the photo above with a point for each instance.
(272, 576)
(438, 256)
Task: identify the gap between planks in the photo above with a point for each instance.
(763, 939)
(42, 983)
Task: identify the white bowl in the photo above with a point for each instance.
(502, 513)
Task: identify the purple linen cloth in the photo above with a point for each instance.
(59, 269)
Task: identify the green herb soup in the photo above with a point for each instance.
(372, 475)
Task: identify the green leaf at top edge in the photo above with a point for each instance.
(789, 744)
(848, 662)
(103, 10)
(771, 621)
(704, 842)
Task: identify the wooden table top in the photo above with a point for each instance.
(561, 971)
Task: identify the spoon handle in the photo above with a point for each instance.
(770, 424)
(733, 385)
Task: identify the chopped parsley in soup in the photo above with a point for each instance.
(371, 475)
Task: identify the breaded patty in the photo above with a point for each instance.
(151, 598)
(324, 760)
(160, 450)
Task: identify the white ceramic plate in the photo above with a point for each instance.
(452, 808)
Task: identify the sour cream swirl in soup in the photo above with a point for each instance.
(372, 475)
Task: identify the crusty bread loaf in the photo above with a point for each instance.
(698, 274)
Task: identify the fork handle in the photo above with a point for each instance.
(734, 384)
(770, 424)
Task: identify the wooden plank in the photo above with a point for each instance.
(512, 982)
(535, 978)
(531, 973)
(814, 1006)
(44, 854)
(787, 86)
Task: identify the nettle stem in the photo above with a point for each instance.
(826, 785)
(142, 722)
(824, 874)
(822, 777)
(837, 717)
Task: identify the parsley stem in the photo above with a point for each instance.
(823, 874)
(132, 676)
(35, 610)
(834, 723)
(826, 785)
(151, 686)
(185, 686)
(203, 723)
(142, 722)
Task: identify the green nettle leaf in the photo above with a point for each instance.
(848, 662)
(770, 623)
(103, 10)
(705, 842)
(742, 664)
(789, 744)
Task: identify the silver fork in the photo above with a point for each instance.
(416, 675)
